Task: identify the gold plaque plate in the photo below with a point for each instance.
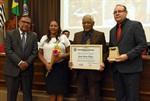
(113, 53)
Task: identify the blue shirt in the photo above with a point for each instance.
(86, 35)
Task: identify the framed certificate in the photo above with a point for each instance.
(86, 56)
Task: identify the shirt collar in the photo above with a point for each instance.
(89, 32)
(22, 32)
(123, 22)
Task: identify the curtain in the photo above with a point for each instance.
(41, 13)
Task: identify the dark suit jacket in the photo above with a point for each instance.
(14, 53)
(97, 38)
(132, 42)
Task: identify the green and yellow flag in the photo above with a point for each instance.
(15, 7)
(25, 8)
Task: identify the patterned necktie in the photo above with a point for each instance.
(23, 41)
(118, 32)
(88, 39)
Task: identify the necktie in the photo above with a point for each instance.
(23, 40)
(118, 32)
(88, 39)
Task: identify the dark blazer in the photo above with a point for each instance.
(14, 53)
(132, 42)
(97, 38)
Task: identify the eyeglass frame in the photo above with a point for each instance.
(24, 22)
(119, 11)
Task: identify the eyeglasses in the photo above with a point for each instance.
(119, 11)
(24, 22)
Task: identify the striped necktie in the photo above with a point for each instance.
(88, 39)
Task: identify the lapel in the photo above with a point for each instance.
(18, 37)
(28, 38)
(114, 35)
(126, 26)
(80, 35)
(94, 37)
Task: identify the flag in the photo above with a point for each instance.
(1, 40)
(25, 8)
(2, 20)
(2, 13)
(15, 7)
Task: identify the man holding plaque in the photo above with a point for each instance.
(130, 39)
(88, 80)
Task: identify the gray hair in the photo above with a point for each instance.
(88, 16)
(125, 8)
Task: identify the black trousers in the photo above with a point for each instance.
(126, 86)
(12, 84)
(86, 87)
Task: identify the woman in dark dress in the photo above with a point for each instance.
(57, 75)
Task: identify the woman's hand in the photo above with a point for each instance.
(48, 67)
(57, 59)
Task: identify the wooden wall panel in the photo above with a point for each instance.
(106, 84)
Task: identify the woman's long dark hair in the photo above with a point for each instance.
(57, 35)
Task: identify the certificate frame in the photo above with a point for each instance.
(86, 56)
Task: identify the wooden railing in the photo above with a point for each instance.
(106, 84)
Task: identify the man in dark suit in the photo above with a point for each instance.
(127, 67)
(88, 80)
(19, 67)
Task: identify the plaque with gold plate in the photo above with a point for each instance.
(113, 53)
